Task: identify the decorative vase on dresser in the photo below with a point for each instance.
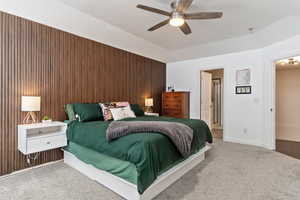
(176, 104)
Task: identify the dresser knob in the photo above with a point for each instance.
(48, 142)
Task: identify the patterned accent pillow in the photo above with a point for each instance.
(122, 113)
(107, 106)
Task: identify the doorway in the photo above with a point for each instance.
(212, 92)
(288, 106)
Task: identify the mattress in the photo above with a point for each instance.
(150, 154)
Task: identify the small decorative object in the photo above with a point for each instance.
(149, 104)
(30, 104)
(243, 90)
(46, 119)
(171, 89)
(243, 77)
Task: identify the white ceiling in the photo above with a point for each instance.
(239, 16)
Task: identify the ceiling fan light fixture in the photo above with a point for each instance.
(177, 20)
(178, 17)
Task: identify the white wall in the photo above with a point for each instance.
(63, 17)
(247, 118)
(242, 113)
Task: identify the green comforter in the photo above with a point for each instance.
(151, 153)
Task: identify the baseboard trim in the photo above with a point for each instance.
(269, 147)
(30, 168)
(239, 141)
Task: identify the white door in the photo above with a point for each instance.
(206, 101)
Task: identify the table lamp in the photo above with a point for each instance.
(149, 104)
(30, 104)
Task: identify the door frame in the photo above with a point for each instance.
(270, 96)
(205, 69)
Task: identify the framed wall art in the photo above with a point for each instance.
(243, 90)
(243, 77)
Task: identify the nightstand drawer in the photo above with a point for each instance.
(46, 143)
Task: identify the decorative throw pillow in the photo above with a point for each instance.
(122, 113)
(107, 106)
(138, 111)
(88, 112)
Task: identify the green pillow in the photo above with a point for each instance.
(138, 111)
(70, 112)
(88, 112)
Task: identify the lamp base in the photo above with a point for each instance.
(149, 109)
(30, 118)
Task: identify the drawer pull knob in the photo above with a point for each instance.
(48, 142)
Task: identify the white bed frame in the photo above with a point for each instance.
(128, 190)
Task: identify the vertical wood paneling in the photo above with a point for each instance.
(63, 68)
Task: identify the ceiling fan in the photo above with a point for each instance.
(178, 15)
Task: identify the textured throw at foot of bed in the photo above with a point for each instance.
(180, 134)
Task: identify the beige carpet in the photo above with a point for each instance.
(230, 172)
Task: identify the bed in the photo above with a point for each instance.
(137, 166)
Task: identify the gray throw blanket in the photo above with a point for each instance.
(180, 134)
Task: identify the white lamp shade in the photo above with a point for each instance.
(149, 102)
(31, 104)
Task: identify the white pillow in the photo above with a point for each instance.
(122, 113)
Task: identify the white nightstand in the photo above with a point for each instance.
(152, 114)
(35, 138)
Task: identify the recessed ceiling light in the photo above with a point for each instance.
(289, 61)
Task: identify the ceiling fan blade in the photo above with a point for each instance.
(157, 26)
(185, 28)
(154, 10)
(203, 15)
(183, 5)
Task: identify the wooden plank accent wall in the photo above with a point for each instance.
(63, 68)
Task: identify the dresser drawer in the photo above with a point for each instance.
(173, 110)
(172, 98)
(172, 106)
(174, 94)
(46, 143)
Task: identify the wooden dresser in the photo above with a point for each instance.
(176, 104)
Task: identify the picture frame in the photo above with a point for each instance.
(243, 77)
(243, 90)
